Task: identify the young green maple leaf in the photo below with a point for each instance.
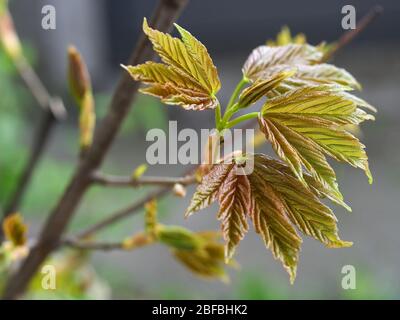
(187, 77)
(274, 200)
(261, 87)
(265, 62)
(306, 124)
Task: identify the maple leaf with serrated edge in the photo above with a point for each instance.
(187, 77)
(265, 61)
(274, 200)
(306, 124)
(261, 87)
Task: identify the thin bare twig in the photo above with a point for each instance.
(38, 90)
(117, 181)
(166, 13)
(123, 213)
(103, 246)
(53, 109)
(349, 36)
(138, 240)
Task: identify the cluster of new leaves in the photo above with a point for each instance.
(305, 117)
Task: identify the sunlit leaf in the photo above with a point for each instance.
(265, 61)
(187, 78)
(275, 201)
(306, 124)
(261, 87)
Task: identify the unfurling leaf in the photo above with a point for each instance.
(187, 78)
(15, 230)
(275, 201)
(200, 252)
(285, 37)
(178, 237)
(139, 171)
(206, 261)
(81, 90)
(261, 87)
(306, 124)
(8, 36)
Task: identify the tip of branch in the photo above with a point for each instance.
(57, 107)
(378, 10)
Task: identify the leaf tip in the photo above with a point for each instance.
(292, 274)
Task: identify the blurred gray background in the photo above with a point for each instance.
(105, 31)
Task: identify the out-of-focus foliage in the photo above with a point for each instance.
(285, 37)
(14, 247)
(139, 171)
(12, 126)
(200, 252)
(8, 37)
(141, 117)
(15, 230)
(75, 279)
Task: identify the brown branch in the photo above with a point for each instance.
(117, 181)
(165, 14)
(349, 36)
(39, 144)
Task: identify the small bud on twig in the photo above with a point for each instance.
(81, 90)
(8, 36)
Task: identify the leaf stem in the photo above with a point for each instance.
(236, 92)
(218, 115)
(242, 118)
(232, 107)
